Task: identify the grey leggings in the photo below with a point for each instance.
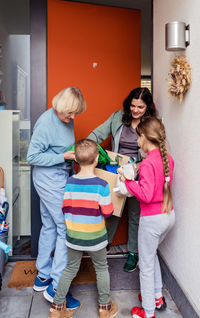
(101, 267)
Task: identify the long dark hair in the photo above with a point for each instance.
(144, 94)
(154, 131)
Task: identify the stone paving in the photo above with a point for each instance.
(26, 303)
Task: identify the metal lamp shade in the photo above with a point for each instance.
(176, 36)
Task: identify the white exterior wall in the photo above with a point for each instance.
(181, 249)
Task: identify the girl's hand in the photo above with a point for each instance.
(121, 174)
(70, 155)
(122, 178)
(138, 166)
(120, 171)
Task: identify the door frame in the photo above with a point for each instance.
(38, 100)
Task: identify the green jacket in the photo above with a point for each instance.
(112, 126)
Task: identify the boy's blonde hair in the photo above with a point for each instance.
(69, 100)
(154, 130)
(86, 151)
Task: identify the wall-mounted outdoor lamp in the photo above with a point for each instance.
(177, 36)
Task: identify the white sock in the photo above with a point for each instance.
(149, 314)
(158, 295)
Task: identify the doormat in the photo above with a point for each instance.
(118, 249)
(86, 274)
(24, 273)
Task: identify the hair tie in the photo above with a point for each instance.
(167, 179)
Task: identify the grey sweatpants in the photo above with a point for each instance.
(99, 259)
(152, 230)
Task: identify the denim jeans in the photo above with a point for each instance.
(49, 183)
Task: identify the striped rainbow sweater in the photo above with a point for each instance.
(86, 203)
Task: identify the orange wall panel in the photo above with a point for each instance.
(79, 35)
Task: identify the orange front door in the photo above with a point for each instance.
(96, 48)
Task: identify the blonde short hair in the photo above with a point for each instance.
(86, 151)
(69, 100)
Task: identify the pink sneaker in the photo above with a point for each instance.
(160, 302)
(138, 312)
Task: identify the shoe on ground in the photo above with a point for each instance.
(131, 263)
(64, 313)
(138, 312)
(71, 303)
(160, 302)
(41, 284)
(49, 293)
(108, 312)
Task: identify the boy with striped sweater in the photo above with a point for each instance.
(86, 205)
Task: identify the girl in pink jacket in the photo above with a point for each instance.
(153, 191)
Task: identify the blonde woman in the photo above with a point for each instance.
(53, 135)
(157, 217)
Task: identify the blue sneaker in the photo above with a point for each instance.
(41, 283)
(49, 293)
(71, 303)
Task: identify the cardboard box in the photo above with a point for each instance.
(111, 178)
(122, 158)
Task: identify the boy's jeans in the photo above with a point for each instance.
(49, 183)
(152, 230)
(101, 267)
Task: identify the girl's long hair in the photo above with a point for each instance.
(154, 130)
(144, 94)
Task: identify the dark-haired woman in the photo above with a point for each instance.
(121, 125)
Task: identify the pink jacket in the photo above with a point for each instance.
(149, 189)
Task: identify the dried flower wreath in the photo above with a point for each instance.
(179, 77)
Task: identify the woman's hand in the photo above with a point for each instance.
(69, 155)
